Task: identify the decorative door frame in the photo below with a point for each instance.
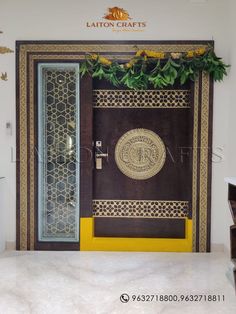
(28, 53)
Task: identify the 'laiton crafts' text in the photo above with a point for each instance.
(116, 24)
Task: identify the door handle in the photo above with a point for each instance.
(99, 155)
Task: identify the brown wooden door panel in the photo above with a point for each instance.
(173, 181)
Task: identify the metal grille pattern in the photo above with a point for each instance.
(144, 209)
(60, 183)
(141, 98)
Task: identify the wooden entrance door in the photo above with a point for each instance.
(143, 177)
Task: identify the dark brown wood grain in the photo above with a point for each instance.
(56, 246)
(36, 155)
(198, 160)
(174, 126)
(115, 42)
(232, 200)
(174, 181)
(139, 227)
(231, 192)
(17, 152)
(233, 241)
(30, 155)
(86, 147)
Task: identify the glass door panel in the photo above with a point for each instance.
(58, 152)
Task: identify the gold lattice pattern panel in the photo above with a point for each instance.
(145, 209)
(141, 99)
(59, 217)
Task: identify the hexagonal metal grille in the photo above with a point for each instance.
(59, 149)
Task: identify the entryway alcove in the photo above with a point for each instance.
(109, 168)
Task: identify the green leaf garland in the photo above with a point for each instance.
(149, 68)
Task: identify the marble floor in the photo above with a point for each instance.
(92, 282)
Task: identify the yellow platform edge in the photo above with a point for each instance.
(90, 243)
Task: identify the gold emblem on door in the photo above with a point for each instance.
(140, 154)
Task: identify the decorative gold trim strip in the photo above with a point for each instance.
(32, 151)
(75, 57)
(174, 99)
(204, 150)
(195, 161)
(142, 208)
(23, 150)
(89, 48)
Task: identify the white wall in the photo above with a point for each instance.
(2, 217)
(166, 20)
(231, 152)
(232, 115)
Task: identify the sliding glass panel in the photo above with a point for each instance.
(58, 151)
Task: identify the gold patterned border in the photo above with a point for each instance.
(107, 50)
(195, 161)
(107, 47)
(23, 157)
(204, 152)
(32, 152)
(142, 208)
(141, 99)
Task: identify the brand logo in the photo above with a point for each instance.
(117, 14)
(118, 20)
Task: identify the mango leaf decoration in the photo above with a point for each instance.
(156, 69)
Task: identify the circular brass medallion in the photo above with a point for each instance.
(140, 154)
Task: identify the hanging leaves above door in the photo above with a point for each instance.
(154, 68)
